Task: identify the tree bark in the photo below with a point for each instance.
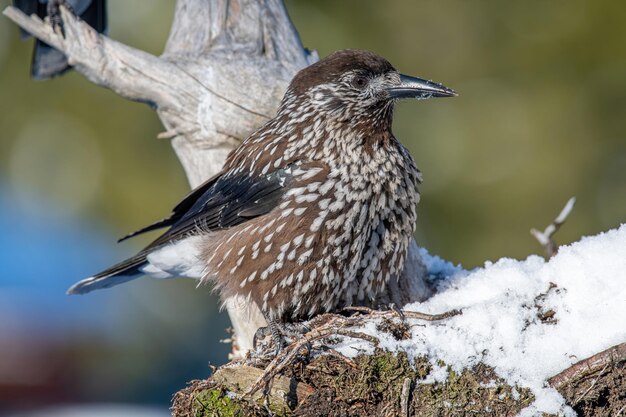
(224, 70)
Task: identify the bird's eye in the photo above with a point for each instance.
(359, 81)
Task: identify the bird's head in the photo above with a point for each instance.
(356, 86)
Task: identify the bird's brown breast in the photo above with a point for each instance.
(338, 235)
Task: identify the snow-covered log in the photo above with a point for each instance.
(526, 344)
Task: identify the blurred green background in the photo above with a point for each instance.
(541, 117)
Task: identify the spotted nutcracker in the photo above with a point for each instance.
(312, 212)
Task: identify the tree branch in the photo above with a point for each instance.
(545, 238)
(130, 72)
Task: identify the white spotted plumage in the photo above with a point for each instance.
(312, 212)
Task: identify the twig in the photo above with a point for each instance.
(357, 335)
(360, 309)
(593, 384)
(431, 317)
(203, 405)
(545, 238)
(346, 360)
(403, 313)
(404, 397)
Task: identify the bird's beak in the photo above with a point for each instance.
(413, 87)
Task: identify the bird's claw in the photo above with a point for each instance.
(54, 14)
(397, 310)
(281, 334)
(260, 334)
(280, 345)
(277, 337)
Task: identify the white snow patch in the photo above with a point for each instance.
(500, 325)
(437, 374)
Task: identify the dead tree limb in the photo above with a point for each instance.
(597, 380)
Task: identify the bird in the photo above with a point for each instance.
(311, 213)
(48, 62)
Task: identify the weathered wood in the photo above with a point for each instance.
(282, 390)
(382, 384)
(596, 386)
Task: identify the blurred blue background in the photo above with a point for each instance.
(541, 116)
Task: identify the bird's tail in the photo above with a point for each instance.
(120, 273)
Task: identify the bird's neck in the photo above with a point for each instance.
(320, 137)
(327, 110)
(301, 135)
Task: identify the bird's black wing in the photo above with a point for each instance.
(180, 210)
(47, 61)
(94, 12)
(230, 201)
(222, 202)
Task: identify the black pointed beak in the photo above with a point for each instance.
(413, 87)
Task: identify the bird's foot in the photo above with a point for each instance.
(260, 335)
(54, 13)
(273, 330)
(282, 334)
(393, 307)
(265, 337)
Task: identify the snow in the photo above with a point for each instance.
(584, 284)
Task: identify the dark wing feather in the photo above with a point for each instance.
(231, 200)
(221, 202)
(48, 62)
(179, 211)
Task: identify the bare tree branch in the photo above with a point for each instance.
(545, 238)
(130, 72)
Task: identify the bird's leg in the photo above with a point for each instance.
(260, 334)
(275, 330)
(397, 310)
(281, 333)
(277, 336)
(54, 13)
